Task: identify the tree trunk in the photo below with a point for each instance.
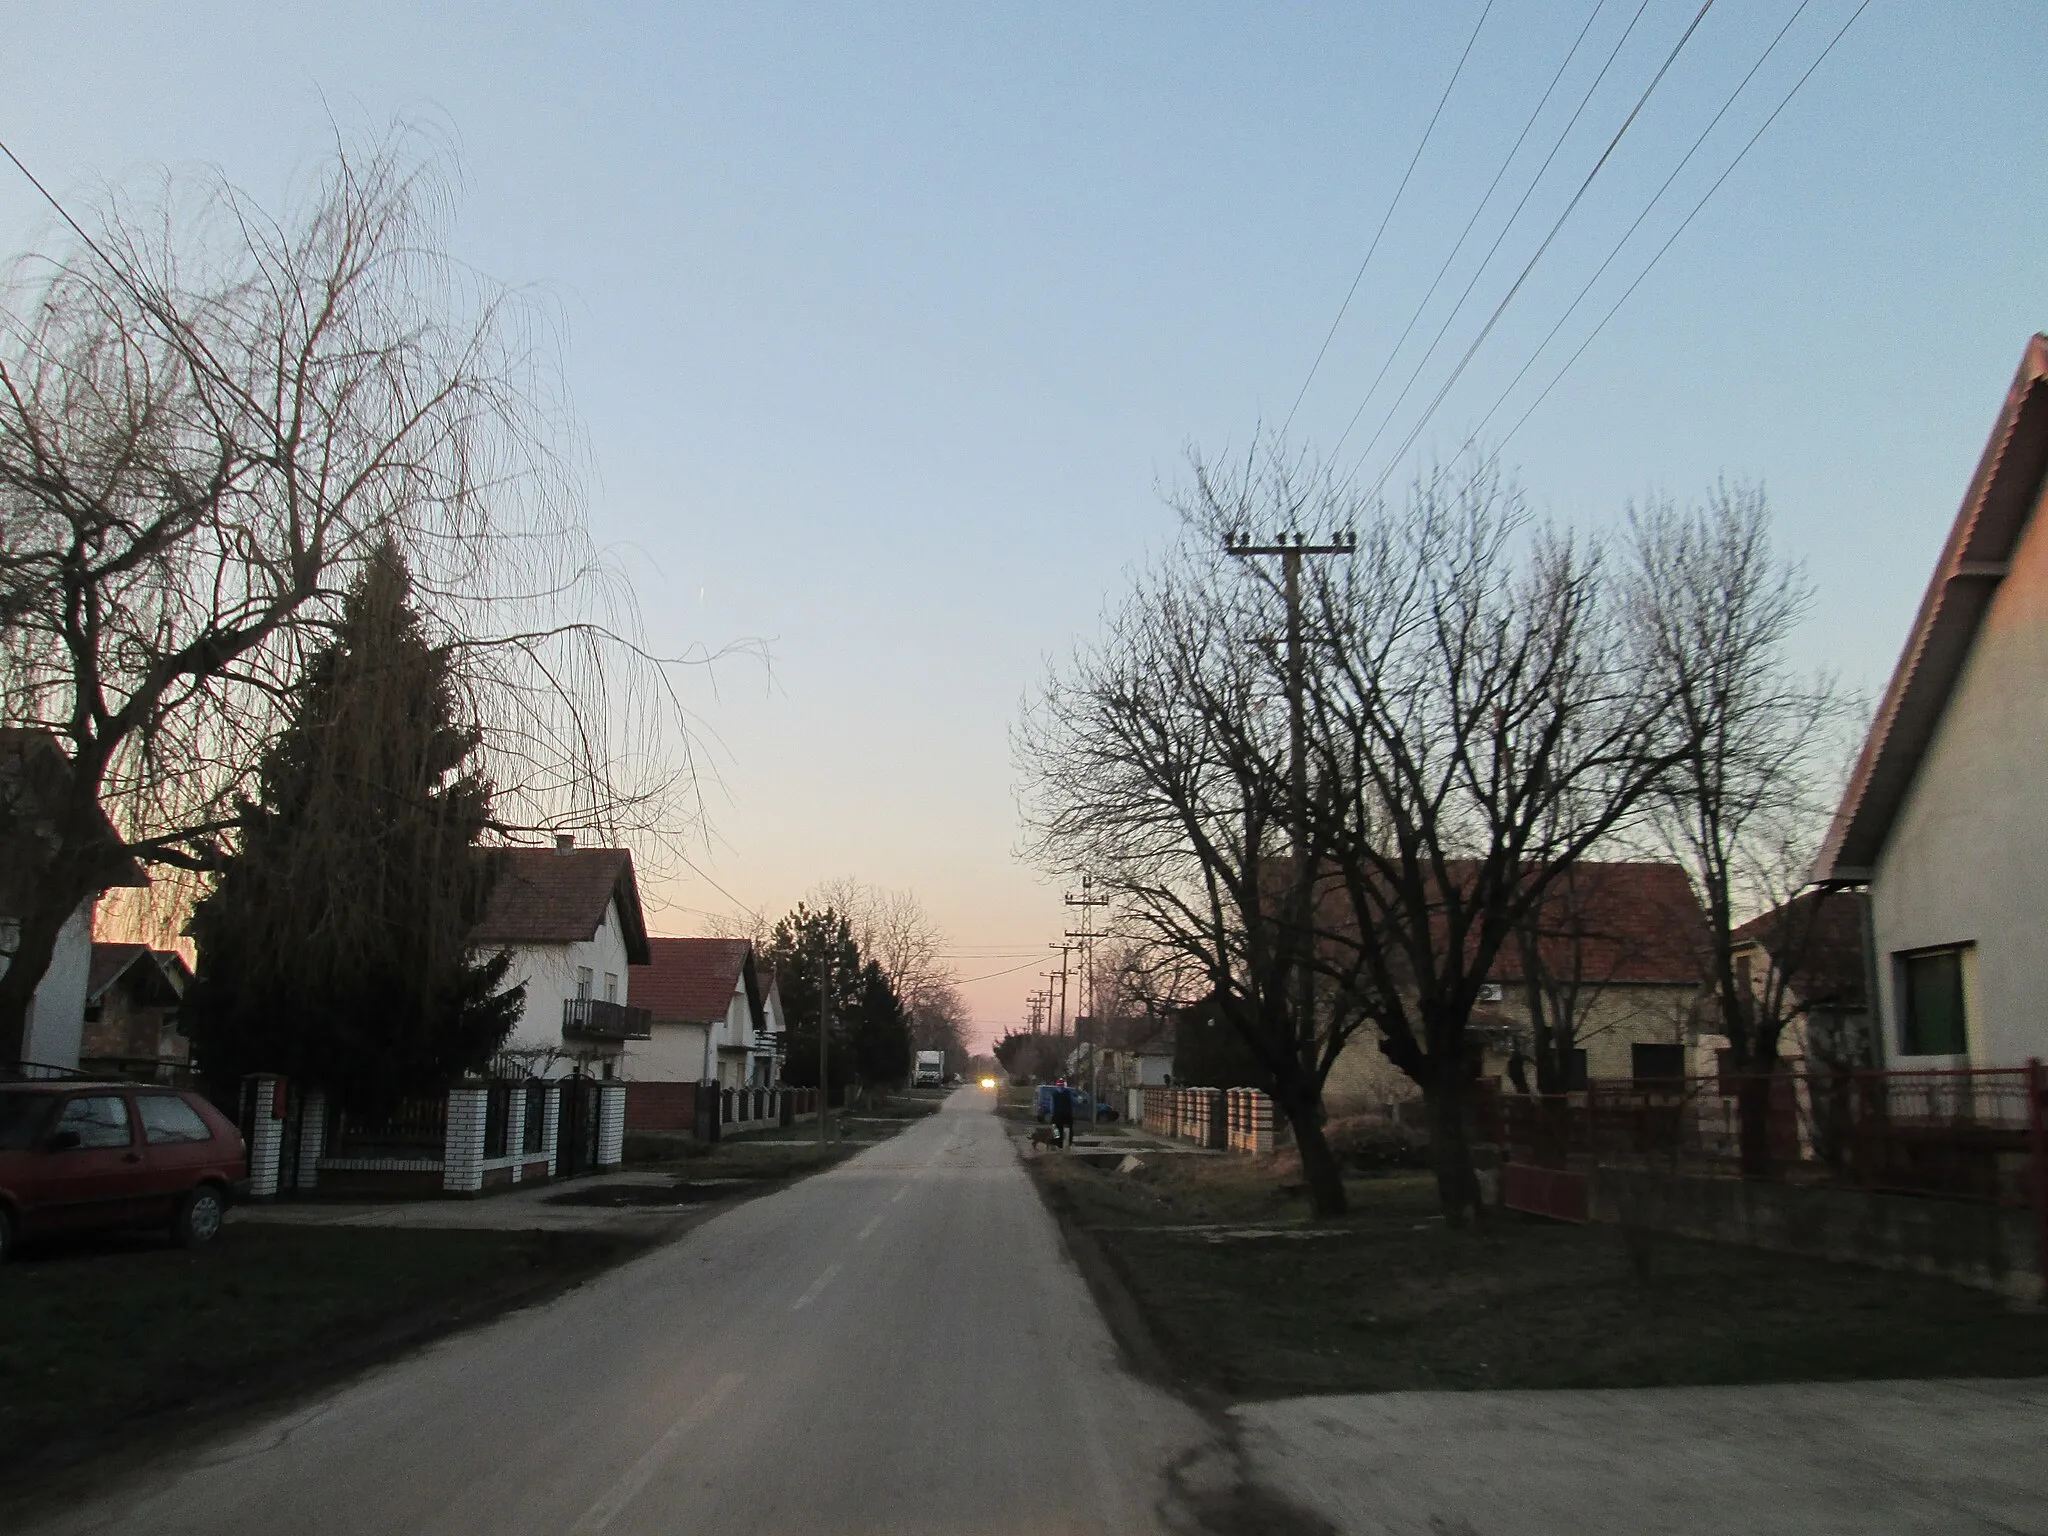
(1319, 1168)
(1450, 1148)
(1753, 1122)
(34, 948)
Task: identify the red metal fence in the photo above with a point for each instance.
(1959, 1135)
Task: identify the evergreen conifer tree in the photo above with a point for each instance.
(334, 947)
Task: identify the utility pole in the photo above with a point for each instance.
(1292, 548)
(824, 1036)
(1088, 901)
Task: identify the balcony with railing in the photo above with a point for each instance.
(585, 1018)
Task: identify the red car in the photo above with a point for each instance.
(80, 1154)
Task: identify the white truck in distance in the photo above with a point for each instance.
(931, 1069)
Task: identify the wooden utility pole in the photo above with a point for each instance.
(1292, 548)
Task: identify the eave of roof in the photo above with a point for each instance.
(1987, 529)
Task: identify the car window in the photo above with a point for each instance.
(167, 1118)
(21, 1119)
(100, 1119)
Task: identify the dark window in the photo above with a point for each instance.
(497, 1120)
(100, 1120)
(1656, 1061)
(167, 1118)
(1931, 983)
(1725, 1072)
(21, 1120)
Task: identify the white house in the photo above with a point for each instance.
(33, 767)
(572, 919)
(1945, 820)
(714, 1018)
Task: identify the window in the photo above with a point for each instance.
(100, 1120)
(168, 1118)
(1932, 1020)
(1575, 1075)
(1656, 1061)
(611, 986)
(582, 983)
(21, 1120)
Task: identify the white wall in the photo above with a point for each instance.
(56, 1014)
(549, 971)
(1967, 858)
(674, 1055)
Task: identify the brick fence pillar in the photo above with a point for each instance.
(264, 1133)
(462, 1144)
(1262, 1125)
(515, 1131)
(611, 1125)
(551, 1127)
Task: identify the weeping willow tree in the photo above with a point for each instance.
(213, 416)
(334, 946)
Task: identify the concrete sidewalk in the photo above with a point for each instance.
(1851, 1458)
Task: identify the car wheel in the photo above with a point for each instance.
(199, 1217)
(6, 1235)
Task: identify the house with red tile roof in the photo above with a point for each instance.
(132, 993)
(714, 1017)
(1618, 947)
(572, 919)
(1945, 819)
(1803, 962)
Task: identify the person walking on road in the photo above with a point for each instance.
(1063, 1114)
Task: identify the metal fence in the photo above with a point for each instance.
(1969, 1135)
(411, 1129)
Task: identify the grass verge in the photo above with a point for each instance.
(120, 1343)
(1240, 1294)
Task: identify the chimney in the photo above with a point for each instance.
(564, 841)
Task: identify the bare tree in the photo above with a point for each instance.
(210, 419)
(1484, 726)
(1156, 759)
(1747, 801)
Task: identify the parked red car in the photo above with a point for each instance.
(81, 1154)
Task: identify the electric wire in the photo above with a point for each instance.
(1569, 208)
(1487, 197)
(1386, 218)
(1629, 234)
(1705, 197)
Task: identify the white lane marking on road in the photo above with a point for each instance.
(817, 1285)
(627, 1488)
(868, 1231)
(899, 1194)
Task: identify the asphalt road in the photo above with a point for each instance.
(898, 1345)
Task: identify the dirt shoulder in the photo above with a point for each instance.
(1217, 1280)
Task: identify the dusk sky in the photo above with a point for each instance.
(887, 324)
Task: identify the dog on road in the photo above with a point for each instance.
(1045, 1136)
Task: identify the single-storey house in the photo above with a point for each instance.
(709, 1011)
(1804, 963)
(1945, 819)
(572, 919)
(131, 1011)
(1618, 950)
(33, 771)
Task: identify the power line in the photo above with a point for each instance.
(969, 981)
(1508, 298)
(1648, 207)
(1492, 186)
(1386, 218)
(1740, 156)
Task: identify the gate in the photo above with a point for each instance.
(576, 1138)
